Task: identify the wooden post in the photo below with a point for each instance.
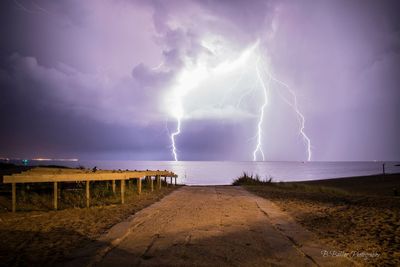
(87, 194)
(175, 180)
(171, 181)
(158, 181)
(139, 186)
(55, 195)
(14, 197)
(151, 184)
(113, 186)
(122, 191)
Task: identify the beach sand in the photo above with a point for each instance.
(358, 215)
(44, 237)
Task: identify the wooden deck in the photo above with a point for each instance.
(58, 175)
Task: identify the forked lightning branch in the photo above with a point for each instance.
(251, 58)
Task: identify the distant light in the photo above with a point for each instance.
(44, 159)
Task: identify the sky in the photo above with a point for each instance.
(216, 80)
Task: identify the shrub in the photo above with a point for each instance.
(246, 179)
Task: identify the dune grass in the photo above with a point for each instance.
(251, 179)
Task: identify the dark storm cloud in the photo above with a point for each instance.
(201, 137)
(89, 79)
(36, 121)
(149, 78)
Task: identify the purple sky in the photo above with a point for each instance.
(105, 79)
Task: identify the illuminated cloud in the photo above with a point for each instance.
(109, 71)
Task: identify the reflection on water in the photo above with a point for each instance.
(223, 172)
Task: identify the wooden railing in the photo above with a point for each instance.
(58, 175)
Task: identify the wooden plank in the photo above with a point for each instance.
(66, 175)
(154, 173)
(56, 170)
(71, 177)
(139, 186)
(122, 191)
(55, 196)
(87, 194)
(63, 177)
(133, 174)
(14, 197)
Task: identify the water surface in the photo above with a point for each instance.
(223, 172)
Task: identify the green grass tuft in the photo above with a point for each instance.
(246, 179)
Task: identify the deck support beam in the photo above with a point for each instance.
(55, 195)
(113, 186)
(139, 186)
(122, 191)
(14, 197)
(158, 182)
(87, 194)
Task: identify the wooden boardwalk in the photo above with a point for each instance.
(59, 175)
(207, 226)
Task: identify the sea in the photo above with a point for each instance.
(224, 172)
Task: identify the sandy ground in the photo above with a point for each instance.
(376, 185)
(41, 238)
(365, 223)
(207, 226)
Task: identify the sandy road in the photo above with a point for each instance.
(212, 226)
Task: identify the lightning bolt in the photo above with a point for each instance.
(293, 104)
(193, 75)
(245, 94)
(178, 115)
(190, 78)
(173, 135)
(262, 109)
(21, 6)
(187, 81)
(237, 82)
(158, 66)
(29, 10)
(301, 117)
